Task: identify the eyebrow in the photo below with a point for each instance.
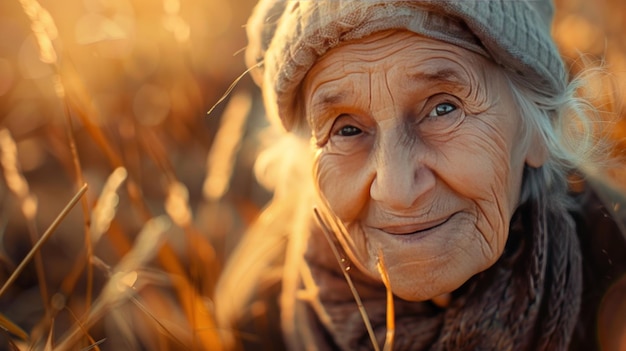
(445, 75)
(328, 99)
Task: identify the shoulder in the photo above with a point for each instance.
(601, 227)
(601, 222)
(613, 198)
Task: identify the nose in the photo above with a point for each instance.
(401, 178)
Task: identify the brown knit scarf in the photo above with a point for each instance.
(529, 300)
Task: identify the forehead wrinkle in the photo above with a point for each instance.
(442, 67)
(318, 90)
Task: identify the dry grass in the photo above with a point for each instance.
(114, 94)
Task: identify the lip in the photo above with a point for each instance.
(413, 228)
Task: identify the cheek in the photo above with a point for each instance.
(343, 182)
(475, 165)
(479, 166)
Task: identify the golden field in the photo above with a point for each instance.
(114, 94)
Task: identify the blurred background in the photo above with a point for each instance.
(115, 94)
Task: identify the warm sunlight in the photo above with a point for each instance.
(114, 94)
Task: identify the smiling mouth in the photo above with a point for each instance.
(408, 229)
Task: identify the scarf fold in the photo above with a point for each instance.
(528, 300)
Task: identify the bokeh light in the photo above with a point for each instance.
(92, 88)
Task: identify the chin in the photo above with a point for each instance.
(411, 293)
(421, 281)
(420, 289)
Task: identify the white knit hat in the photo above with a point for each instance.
(286, 37)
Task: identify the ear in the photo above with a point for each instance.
(537, 153)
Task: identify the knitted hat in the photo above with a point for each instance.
(287, 37)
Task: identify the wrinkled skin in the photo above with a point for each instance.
(420, 155)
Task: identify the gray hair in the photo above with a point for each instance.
(568, 126)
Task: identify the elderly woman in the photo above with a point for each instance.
(435, 141)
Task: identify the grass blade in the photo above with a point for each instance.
(12, 328)
(357, 298)
(43, 239)
(391, 326)
(94, 345)
(222, 155)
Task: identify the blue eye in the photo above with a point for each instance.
(446, 114)
(349, 131)
(442, 109)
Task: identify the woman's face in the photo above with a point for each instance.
(419, 156)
